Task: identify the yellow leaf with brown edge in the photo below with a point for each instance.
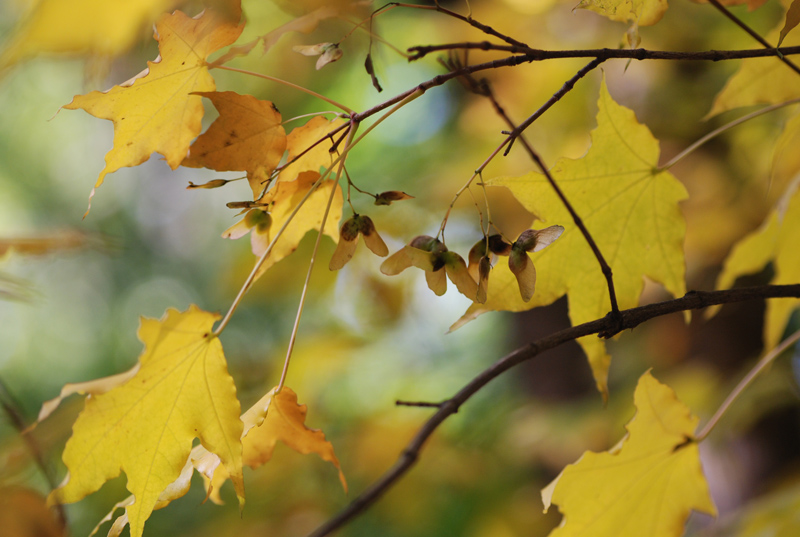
(631, 210)
(146, 426)
(275, 417)
(775, 241)
(159, 111)
(309, 147)
(647, 485)
(104, 28)
(759, 81)
(283, 199)
(247, 136)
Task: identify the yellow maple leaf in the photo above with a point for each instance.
(275, 417)
(99, 27)
(775, 241)
(302, 138)
(645, 486)
(281, 202)
(759, 81)
(145, 427)
(247, 136)
(159, 112)
(629, 207)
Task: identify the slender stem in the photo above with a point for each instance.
(716, 132)
(311, 263)
(629, 319)
(312, 114)
(745, 382)
(286, 83)
(736, 20)
(10, 407)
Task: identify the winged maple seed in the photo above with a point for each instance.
(432, 256)
(530, 240)
(256, 220)
(348, 238)
(386, 198)
(327, 52)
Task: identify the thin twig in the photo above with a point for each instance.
(629, 319)
(736, 20)
(10, 406)
(716, 132)
(516, 133)
(745, 382)
(536, 55)
(420, 404)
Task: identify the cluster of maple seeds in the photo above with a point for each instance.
(432, 256)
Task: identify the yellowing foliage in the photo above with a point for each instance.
(145, 426)
(631, 209)
(159, 111)
(647, 485)
(313, 135)
(777, 241)
(640, 12)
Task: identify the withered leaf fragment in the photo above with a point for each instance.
(348, 238)
(386, 198)
(431, 255)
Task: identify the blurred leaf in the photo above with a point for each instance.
(145, 426)
(646, 485)
(630, 208)
(23, 513)
(792, 19)
(640, 12)
(98, 27)
(776, 241)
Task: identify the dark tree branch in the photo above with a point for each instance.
(736, 20)
(610, 53)
(606, 327)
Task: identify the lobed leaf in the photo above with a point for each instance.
(145, 426)
(645, 486)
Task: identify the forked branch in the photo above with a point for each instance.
(604, 327)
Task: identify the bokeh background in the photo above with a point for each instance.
(367, 340)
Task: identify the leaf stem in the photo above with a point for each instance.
(716, 132)
(311, 263)
(745, 382)
(286, 83)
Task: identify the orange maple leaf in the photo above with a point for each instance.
(247, 136)
(158, 111)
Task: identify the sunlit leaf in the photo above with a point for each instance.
(159, 111)
(630, 208)
(309, 147)
(647, 485)
(792, 20)
(145, 427)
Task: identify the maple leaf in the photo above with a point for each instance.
(282, 200)
(247, 136)
(145, 426)
(647, 485)
(99, 27)
(308, 149)
(775, 241)
(159, 111)
(275, 417)
(759, 81)
(628, 205)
